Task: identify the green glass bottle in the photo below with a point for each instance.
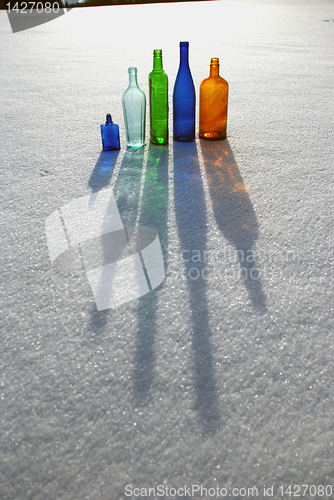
(158, 83)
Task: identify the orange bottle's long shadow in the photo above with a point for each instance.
(234, 214)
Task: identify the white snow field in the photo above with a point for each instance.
(222, 376)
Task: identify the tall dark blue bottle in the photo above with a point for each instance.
(184, 99)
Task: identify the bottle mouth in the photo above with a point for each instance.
(132, 69)
(184, 44)
(157, 52)
(214, 61)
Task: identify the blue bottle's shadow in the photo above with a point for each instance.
(103, 170)
(192, 226)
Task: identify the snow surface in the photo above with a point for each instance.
(212, 378)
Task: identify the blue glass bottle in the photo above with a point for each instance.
(110, 135)
(134, 110)
(184, 99)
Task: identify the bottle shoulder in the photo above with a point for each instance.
(184, 77)
(184, 69)
(214, 81)
(133, 91)
(159, 76)
(109, 126)
(157, 72)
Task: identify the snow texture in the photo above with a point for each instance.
(222, 375)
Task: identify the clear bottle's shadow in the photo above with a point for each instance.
(142, 200)
(126, 193)
(128, 184)
(234, 214)
(191, 219)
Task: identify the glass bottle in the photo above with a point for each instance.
(134, 110)
(158, 83)
(184, 99)
(110, 135)
(213, 98)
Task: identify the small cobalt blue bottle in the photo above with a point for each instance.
(184, 99)
(110, 135)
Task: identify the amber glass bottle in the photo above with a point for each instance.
(213, 97)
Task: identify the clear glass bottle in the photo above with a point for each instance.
(184, 99)
(158, 84)
(110, 135)
(213, 99)
(134, 110)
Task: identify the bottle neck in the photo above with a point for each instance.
(133, 77)
(184, 55)
(214, 67)
(108, 119)
(157, 60)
